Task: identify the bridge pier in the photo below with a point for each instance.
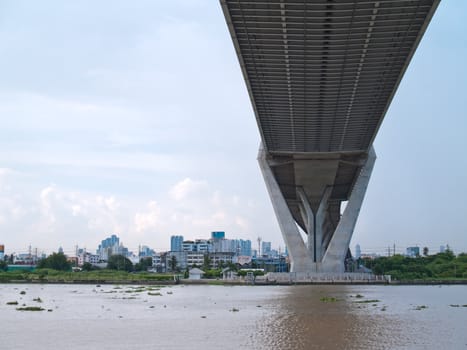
(300, 259)
(327, 243)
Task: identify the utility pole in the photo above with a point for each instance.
(394, 250)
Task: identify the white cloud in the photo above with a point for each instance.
(186, 188)
(149, 220)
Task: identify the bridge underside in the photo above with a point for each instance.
(321, 75)
(311, 199)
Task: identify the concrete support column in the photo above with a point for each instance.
(314, 223)
(298, 253)
(319, 223)
(333, 260)
(309, 219)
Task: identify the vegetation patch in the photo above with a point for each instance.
(421, 307)
(359, 296)
(234, 310)
(39, 300)
(12, 303)
(22, 292)
(215, 283)
(328, 299)
(30, 308)
(369, 301)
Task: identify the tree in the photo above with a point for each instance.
(144, 264)
(425, 251)
(88, 267)
(206, 262)
(3, 265)
(120, 263)
(173, 263)
(56, 261)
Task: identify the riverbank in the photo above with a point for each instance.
(145, 278)
(227, 282)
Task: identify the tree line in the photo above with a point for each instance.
(444, 265)
(59, 262)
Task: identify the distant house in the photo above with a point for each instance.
(228, 274)
(195, 274)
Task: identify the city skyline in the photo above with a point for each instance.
(135, 120)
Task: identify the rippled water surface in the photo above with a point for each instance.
(240, 317)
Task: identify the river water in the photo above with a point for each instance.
(233, 317)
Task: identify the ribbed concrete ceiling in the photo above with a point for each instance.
(321, 74)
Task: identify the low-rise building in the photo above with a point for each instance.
(85, 257)
(221, 258)
(195, 274)
(195, 258)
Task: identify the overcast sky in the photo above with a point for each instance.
(132, 117)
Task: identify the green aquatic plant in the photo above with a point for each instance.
(370, 301)
(328, 299)
(30, 308)
(12, 303)
(421, 307)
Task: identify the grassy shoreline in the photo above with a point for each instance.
(48, 276)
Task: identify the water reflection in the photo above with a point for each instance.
(308, 317)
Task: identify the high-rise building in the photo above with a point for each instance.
(412, 251)
(176, 243)
(111, 246)
(358, 251)
(265, 248)
(2, 252)
(243, 247)
(216, 235)
(145, 251)
(199, 245)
